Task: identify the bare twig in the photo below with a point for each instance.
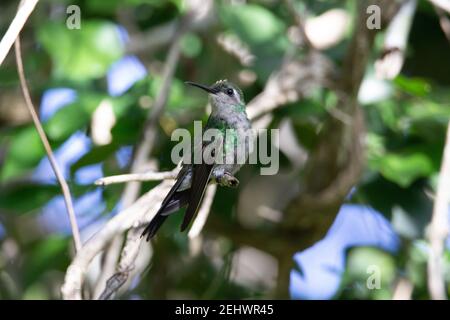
(26, 7)
(438, 229)
(146, 176)
(64, 187)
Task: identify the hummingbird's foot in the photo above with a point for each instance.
(227, 180)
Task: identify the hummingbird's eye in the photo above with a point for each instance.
(230, 92)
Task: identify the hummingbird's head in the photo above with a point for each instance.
(223, 93)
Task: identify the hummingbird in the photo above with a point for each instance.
(228, 116)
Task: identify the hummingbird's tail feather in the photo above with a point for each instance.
(172, 202)
(200, 179)
(153, 226)
(178, 200)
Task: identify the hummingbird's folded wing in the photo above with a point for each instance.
(200, 177)
(201, 174)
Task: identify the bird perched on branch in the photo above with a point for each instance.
(232, 141)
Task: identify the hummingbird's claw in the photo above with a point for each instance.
(228, 180)
(233, 182)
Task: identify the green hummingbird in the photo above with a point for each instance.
(229, 118)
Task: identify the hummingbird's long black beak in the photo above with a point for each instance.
(201, 86)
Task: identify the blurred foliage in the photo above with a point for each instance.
(78, 54)
(405, 138)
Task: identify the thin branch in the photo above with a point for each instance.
(26, 7)
(148, 139)
(146, 176)
(64, 187)
(438, 229)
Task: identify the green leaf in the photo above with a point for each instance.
(26, 146)
(65, 122)
(36, 195)
(95, 155)
(46, 255)
(177, 98)
(359, 259)
(38, 291)
(191, 45)
(416, 267)
(403, 169)
(79, 54)
(428, 110)
(414, 86)
(370, 272)
(261, 30)
(253, 23)
(25, 151)
(72, 117)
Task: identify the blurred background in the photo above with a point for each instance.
(361, 101)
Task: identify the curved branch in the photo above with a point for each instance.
(64, 187)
